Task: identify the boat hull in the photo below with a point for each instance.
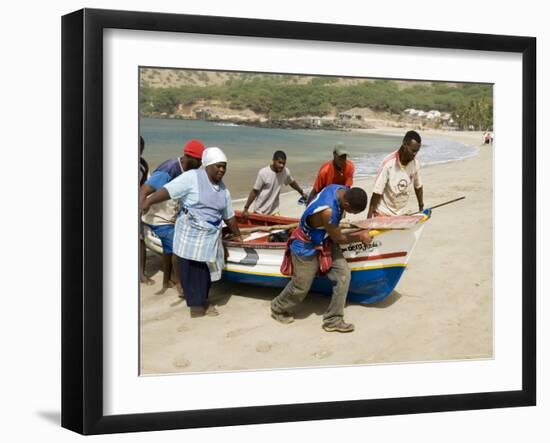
(367, 286)
(375, 270)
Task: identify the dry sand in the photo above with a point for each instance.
(441, 309)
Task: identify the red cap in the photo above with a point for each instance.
(194, 148)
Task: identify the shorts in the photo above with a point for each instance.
(166, 235)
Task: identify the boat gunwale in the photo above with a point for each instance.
(266, 245)
(282, 245)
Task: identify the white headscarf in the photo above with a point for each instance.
(213, 155)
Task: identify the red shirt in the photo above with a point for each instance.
(328, 175)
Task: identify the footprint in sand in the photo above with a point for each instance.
(322, 354)
(236, 332)
(264, 346)
(159, 317)
(163, 316)
(183, 328)
(181, 362)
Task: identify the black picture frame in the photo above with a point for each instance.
(82, 218)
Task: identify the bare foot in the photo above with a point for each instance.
(161, 291)
(146, 280)
(196, 311)
(211, 311)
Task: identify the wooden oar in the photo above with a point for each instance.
(283, 227)
(440, 204)
(267, 228)
(448, 202)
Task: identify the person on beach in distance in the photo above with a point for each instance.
(338, 171)
(143, 173)
(206, 202)
(314, 247)
(488, 137)
(396, 176)
(162, 216)
(267, 188)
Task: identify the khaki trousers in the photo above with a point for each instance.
(304, 270)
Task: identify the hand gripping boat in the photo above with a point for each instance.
(375, 269)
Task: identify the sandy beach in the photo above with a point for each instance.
(441, 309)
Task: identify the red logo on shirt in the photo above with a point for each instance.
(402, 185)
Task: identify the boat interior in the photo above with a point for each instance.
(260, 229)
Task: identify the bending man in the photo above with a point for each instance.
(314, 247)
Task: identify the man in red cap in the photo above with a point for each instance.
(162, 216)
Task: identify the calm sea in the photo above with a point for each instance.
(249, 148)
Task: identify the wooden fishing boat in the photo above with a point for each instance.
(375, 269)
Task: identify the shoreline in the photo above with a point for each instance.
(378, 120)
(442, 308)
(466, 137)
(306, 149)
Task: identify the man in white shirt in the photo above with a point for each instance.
(267, 188)
(398, 174)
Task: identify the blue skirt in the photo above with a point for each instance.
(195, 281)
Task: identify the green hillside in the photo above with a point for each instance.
(275, 97)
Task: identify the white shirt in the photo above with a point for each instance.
(394, 183)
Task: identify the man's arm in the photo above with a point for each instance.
(258, 185)
(144, 191)
(318, 185)
(156, 197)
(374, 201)
(380, 183)
(145, 171)
(420, 197)
(251, 197)
(312, 195)
(350, 171)
(336, 233)
(155, 182)
(294, 185)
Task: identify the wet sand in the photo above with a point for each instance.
(441, 309)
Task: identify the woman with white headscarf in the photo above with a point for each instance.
(197, 237)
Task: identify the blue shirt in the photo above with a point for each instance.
(326, 199)
(163, 213)
(165, 172)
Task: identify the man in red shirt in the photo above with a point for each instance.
(339, 171)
